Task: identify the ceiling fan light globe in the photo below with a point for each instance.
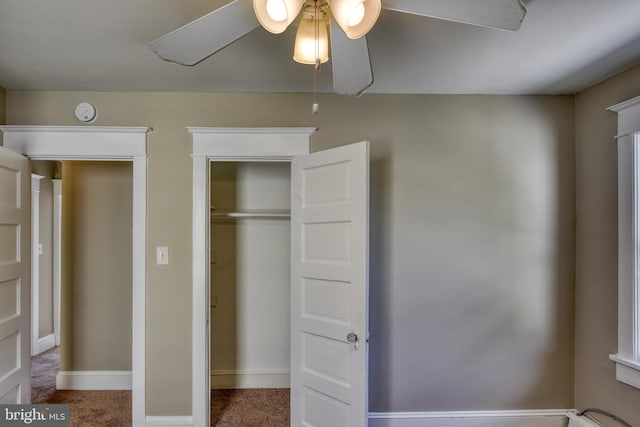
(276, 15)
(306, 51)
(277, 10)
(355, 17)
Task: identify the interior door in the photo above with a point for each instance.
(15, 199)
(329, 280)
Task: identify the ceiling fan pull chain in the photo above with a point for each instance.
(315, 106)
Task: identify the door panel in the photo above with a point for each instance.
(329, 279)
(15, 198)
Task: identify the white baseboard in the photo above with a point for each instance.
(93, 380)
(44, 344)
(272, 378)
(168, 421)
(524, 418)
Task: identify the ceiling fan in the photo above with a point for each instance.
(348, 21)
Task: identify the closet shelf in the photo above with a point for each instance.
(219, 214)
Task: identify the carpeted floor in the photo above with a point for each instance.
(250, 407)
(229, 408)
(87, 408)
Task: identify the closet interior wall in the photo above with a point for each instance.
(250, 284)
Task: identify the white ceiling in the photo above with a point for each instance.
(563, 46)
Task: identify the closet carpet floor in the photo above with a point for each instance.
(250, 407)
(229, 408)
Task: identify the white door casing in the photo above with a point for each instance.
(273, 144)
(15, 344)
(223, 144)
(35, 263)
(38, 343)
(57, 255)
(329, 287)
(103, 143)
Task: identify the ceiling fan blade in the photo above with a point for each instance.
(501, 14)
(352, 73)
(205, 36)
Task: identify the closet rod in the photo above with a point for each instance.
(266, 214)
(252, 215)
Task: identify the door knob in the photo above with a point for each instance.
(352, 338)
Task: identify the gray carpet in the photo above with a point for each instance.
(44, 368)
(229, 408)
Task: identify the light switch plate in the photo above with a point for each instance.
(162, 255)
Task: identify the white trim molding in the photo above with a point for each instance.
(268, 378)
(524, 418)
(625, 105)
(76, 142)
(93, 380)
(627, 359)
(38, 344)
(223, 144)
(56, 253)
(169, 421)
(105, 143)
(35, 264)
(250, 143)
(627, 370)
(45, 343)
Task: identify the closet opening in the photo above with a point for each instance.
(249, 291)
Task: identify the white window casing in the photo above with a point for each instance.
(627, 358)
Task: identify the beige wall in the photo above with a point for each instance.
(96, 266)
(472, 236)
(596, 249)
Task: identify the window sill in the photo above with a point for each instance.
(627, 370)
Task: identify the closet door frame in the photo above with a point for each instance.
(223, 144)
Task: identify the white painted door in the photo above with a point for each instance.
(329, 287)
(15, 198)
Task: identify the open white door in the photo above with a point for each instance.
(15, 354)
(329, 287)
